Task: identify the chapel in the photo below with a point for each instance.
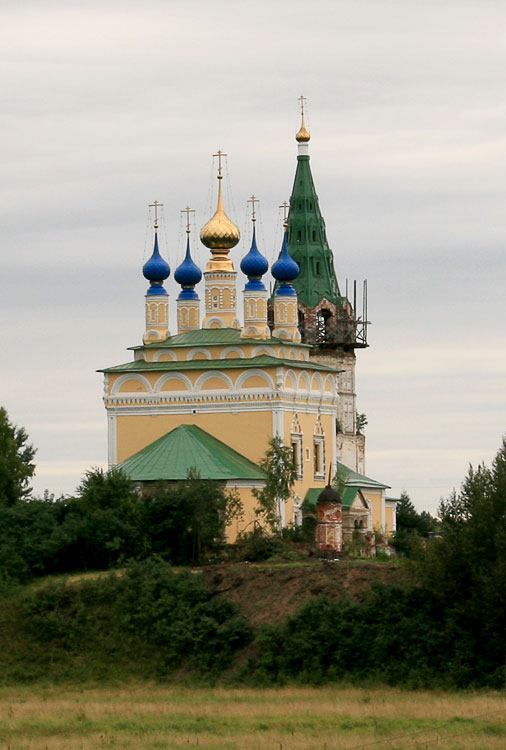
(210, 390)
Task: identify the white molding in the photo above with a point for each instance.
(239, 483)
(198, 350)
(136, 377)
(258, 350)
(269, 383)
(159, 352)
(173, 376)
(235, 349)
(213, 374)
(112, 440)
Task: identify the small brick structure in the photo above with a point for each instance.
(329, 522)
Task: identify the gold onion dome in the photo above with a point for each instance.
(303, 135)
(220, 232)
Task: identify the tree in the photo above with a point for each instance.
(188, 521)
(281, 473)
(16, 462)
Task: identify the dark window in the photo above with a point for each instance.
(314, 235)
(317, 267)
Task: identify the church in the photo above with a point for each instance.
(213, 393)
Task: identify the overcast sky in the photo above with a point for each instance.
(107, 106)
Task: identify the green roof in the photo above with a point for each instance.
(354, 479)
(186, 447)
(263, 360)
(308, 243)
(348, 495)
(213, 336)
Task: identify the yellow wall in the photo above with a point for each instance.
(375, 498)
(245, 434)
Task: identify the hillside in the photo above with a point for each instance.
(268, 594)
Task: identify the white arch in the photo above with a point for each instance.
(173, 376)
(317, 382)
(151, 336)
(214, 319)
(213, 374)
(229, 350)
(135, 376)
(244, 376)
(258, 350)
(304, 382)
(290, 375)
(159, 353)
(198, 350)
(332, 380)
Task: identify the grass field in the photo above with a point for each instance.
(148, 716)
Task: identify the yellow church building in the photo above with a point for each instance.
(213, 394)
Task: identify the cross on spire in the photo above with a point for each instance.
(302, 99)
(188, 211)
(219, 155)
(155, 205)
(253, 200)
(285, 206)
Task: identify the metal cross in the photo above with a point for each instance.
(155, 206)
(285, 206)
(253, 200)
(302, 99)
(219, 155)
(188, 211)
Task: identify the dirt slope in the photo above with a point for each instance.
(268, 593)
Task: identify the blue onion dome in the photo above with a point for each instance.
(254, 265)
(285, 269)
(156, 270)
(188, 273)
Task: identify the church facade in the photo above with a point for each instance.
(213, 394)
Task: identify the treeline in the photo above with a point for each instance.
(109, 522)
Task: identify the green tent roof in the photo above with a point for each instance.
(188, 446)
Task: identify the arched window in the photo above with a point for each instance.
(323, 320)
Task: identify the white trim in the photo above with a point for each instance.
(278, 424)
(318, 378)
(255, 373)
(258, 350)
(112, 440)
(198, 350)
(173, 376)
(136, 377)
(213, 374)
(215, 319)
(159, 352)
(238, 483)
(304, 378)
(218, 401)
(230, 349)
(291, 374)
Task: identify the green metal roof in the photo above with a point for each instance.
(354, 479)
(186, 447)
(308, 243)
(263, 360)
(212, 336)
(348, 495)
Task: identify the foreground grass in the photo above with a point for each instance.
(147, 716)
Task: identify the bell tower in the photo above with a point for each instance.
(328, 320)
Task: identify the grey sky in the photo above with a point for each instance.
(108, 106)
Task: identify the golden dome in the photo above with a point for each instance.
(303, 135)
(220, 232)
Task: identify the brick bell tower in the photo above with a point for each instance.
(327, 319)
